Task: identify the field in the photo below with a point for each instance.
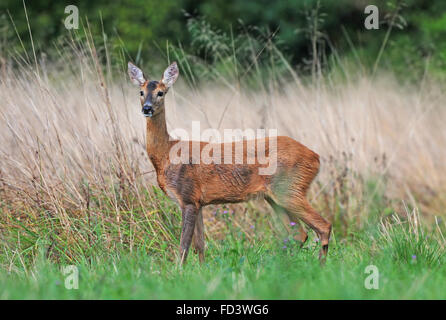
(243, 268)
(77, 188)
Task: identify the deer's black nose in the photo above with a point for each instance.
(147, 110)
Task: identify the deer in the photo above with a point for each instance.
(194, 185)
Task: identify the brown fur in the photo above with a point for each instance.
(196, 185)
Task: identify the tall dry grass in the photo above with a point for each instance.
(72, 146)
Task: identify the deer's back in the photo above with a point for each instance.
(214, 179)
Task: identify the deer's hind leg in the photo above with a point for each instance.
(198, 238)
(302, 235)
(303, 210)
(290, 191)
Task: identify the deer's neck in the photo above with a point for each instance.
(157, 140)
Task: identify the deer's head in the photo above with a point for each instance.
(153, 92)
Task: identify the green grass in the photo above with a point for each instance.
(242, 268)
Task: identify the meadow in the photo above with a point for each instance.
(77, 188)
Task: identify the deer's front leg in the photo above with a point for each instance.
(198, 237)
(190, 213)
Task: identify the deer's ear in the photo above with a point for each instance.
(170, 75)
(135, 74)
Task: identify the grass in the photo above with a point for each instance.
(264, 264)
(77, 188)
(240, 269)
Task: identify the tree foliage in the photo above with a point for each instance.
(301, 29)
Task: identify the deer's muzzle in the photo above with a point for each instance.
(147, 110)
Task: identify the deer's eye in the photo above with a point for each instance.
(141, 93)
(160, 93)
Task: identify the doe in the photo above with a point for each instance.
(195, 185)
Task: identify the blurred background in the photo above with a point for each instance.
(206, 29)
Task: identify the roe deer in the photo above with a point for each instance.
(194, 185)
